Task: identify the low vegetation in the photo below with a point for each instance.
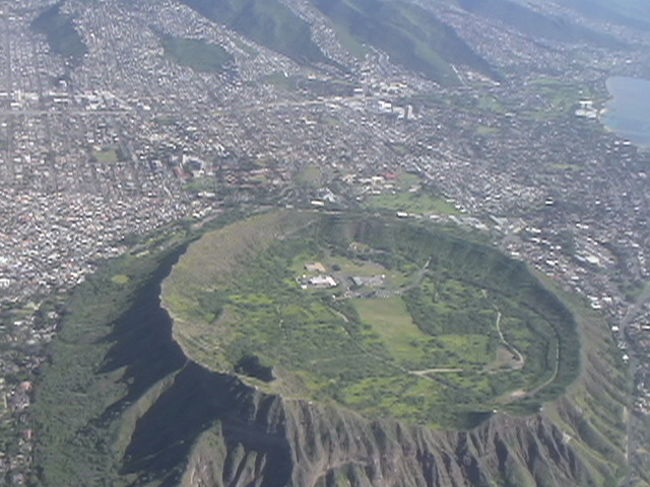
(60, 33)
(559, 97)
(420, 202)
(80, 389)
(197, 54)
(268, 22)
(417, 325)
(437, 329)
(106, 155)
(412, 36)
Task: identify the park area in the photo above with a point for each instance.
(386, 317)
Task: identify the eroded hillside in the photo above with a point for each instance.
(145, 414)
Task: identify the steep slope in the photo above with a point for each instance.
(412, 36)
(267, 22)
(633, 13)
(228, 287)
(121, 405)
(268, 441)
(535, 24)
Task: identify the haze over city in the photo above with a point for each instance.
(324, 243)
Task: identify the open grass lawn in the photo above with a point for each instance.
(491, 104)
(559, 97)
(390, 319)
(280, 80)
(355, 267)
(106, 155)
(199, 184)
(486, 130)
(412, 202)
(407, 180)
(120, 279)
(197, 54)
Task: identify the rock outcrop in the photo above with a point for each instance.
(219, 432)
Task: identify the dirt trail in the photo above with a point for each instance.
(520, 358)
(424, 372)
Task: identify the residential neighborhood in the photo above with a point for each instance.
(94, 156)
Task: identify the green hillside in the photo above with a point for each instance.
(416, 324)
(535, 24)
(267, 22)
(60, 34)
(412, 36)
(119, 404)
(634, 13)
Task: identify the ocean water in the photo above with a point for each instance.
(628, 111)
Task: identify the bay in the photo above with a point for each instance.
(627, 113)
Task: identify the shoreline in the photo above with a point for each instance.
(639, 140)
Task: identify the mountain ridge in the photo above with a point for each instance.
(171, 422)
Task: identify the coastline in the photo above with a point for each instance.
(622, 109)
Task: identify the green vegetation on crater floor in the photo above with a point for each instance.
(119, 404)
(382, 316)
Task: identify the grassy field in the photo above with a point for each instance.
(120, 279)
(406, 180)
(421, 346)
(389, 318)
(197, 54)
(106, 155)
(485, 130)
(559, 96)
(279, 80)
(358, 267)
(412, 202)
(491, 104)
